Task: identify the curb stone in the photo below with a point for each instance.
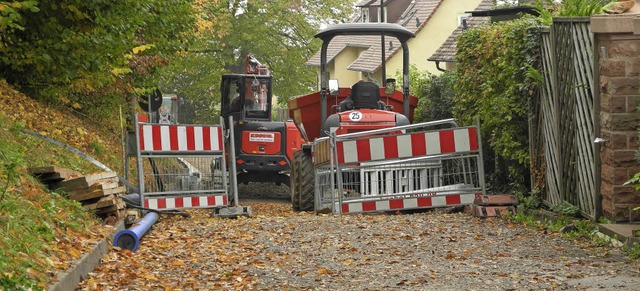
(70, 279)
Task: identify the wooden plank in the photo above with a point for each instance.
(120, 205)
(97, 193)
(102, 185)
(53, 173)
(103, 202)
(85, 181)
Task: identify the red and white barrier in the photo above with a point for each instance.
(182, 160)
(168, 138)
(408, 145)
(374, 172)
(407, 203)
(185, 202)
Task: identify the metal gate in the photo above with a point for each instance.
(400, 168)
(185, 168)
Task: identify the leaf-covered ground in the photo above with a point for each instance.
(278, 249)
(43, 234)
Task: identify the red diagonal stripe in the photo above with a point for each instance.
(447, 142)
(173, 137)
(345, 208)
(141, 138)
(364, 150)
(179, 202)
(206, 137)
(219, 133)
(473, 138)
(191, 139)
(424, 202)
(195, 202)
(340, 149)
(418, 144)
(396, 204)
(369, 206)
(453, 199)
(211, 200)
(162, 203)
(157, 138)
(390, 147)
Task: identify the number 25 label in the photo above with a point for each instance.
(355, 116)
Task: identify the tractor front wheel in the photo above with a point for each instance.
(306, 181)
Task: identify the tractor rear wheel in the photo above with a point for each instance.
(306, 180)
(294, 183)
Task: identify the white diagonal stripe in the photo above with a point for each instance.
(350, 151)
(219, 200)
(186, 202)
(213, 135)
(171, 203)
(147, 136)
(376, 145)
(461, 138)
(355, 207)
(153, 203)
(411, 203)
(203, 201)
(182, 138)
(467, 198)
(382, 205)
(404, 146)
(165, 138)
(438, 201)
(197, 132)
(433, 143)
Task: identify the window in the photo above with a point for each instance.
(365, 14)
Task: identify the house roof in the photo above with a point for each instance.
(414, 19)
(447, 51)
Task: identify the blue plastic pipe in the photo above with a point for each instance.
(130, 238)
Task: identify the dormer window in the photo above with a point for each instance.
(365, 14)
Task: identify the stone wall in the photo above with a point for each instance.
(618, 59)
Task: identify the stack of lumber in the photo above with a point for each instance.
(97, 192)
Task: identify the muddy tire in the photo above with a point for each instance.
(294, 183)
(306, 181)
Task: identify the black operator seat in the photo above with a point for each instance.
(364, 95)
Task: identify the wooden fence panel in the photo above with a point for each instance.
(567, 115)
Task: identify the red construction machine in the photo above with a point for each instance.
(264, 147)
(363, 107)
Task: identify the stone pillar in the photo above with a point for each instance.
(618, 60)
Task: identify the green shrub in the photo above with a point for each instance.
(494, 83)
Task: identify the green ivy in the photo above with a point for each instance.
(494, 84)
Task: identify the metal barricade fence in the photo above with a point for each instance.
(401, 168)
(186, 166)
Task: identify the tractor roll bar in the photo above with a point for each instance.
(391, 29)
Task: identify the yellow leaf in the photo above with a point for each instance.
(76, 105)
(178, 264)
(142, 48)
(80, 130)
(148, 277)
(324, 271)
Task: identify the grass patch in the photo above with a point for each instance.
(37, 227)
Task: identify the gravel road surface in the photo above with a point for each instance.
(278, 249)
